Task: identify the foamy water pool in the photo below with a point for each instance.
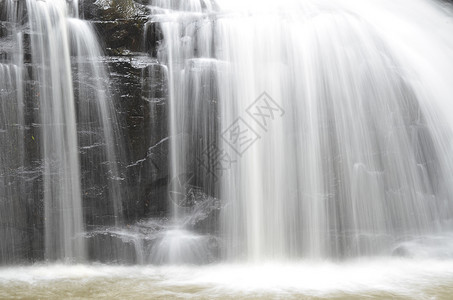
(375, 279)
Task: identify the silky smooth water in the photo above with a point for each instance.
(309, 153)
(62, 68)
(327, 132)
(355, 152)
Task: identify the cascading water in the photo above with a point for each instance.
(321, 122)
(62, 191)
(297, 148)
(12, 138)
(11, 157)
(191, 75)
(356, 162)
(63, 49)
(99, 116)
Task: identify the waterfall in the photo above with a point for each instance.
(12, 156)
(70, 121)
(322, 125)
(297, 129)
(226, 149)
(62, 191)
(97, 116)
(189, 104)
(60, 42)
(349, 165)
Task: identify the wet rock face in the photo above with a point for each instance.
(139, 87)
(119, 23)
(3, 28)
(3, 11)
(111, 10)
(137, 84)
(21, 204)
(121, 37)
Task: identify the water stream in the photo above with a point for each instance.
(309, 152)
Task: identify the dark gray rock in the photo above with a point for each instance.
(105, 247)
(138, 90)
(139, 85)
(111, 10)
(119, 23)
